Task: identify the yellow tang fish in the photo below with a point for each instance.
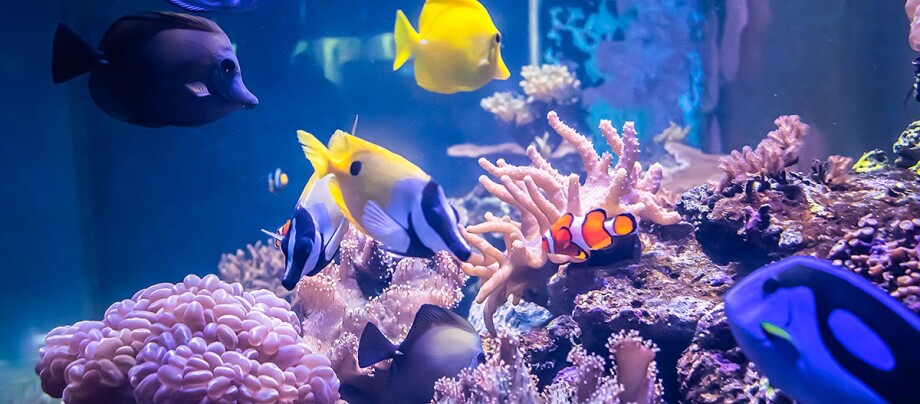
(457, 47)
(386, 196)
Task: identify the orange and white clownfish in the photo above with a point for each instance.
(577, 236)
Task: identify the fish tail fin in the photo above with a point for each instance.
(316, 152)
(406, 37)
(374, 346)
(71, 55)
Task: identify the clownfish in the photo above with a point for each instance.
(577, 236)
(310, 239)
(387, 197)
(277, 180)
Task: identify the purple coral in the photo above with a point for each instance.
(202, 340)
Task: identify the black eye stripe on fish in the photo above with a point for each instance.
(433, 208)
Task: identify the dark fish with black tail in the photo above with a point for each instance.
(157, 69)
(439, 344)
(310, 239)
(823, 334)
(202, 6)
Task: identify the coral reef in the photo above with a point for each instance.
(912, 8)
(260, 266)
(335, 310)
(550, 84)
(714, 370)
(507, 377)
(509, 107)
(202, 340)
(541, 194)
(907, 147)
(780, 149)
(870, 161)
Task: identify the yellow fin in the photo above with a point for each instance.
(316, 152)
(341, 144)
(406, 38)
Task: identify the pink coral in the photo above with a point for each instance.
(780, 149)
(912, 8)
(202, 340)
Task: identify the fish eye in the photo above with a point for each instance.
(498, 38)
(770, 286)
(228, 66)
(355, 168)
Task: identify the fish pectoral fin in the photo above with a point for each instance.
(199, 89)
(384, 228)
(374, 347)
(333, 243)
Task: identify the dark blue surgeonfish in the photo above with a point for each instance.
(823, 334)
(439, 344)
(157, 69)
(202, 6)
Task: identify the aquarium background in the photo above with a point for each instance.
(95, 209)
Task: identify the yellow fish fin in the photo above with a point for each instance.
(341, 145)
(406, 38)
(316, 152)
(435, 9)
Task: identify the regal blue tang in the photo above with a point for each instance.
(157, 69)
(823, 334)
(202, 6)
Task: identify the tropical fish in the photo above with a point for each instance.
(310, 239)
(202, 6)
(823, 334)
(277, 181)
(387, 197)
(578, 236)
(157, 69)
(457, 47)
(439, 344)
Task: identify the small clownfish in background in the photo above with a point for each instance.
(577, 236)
(310, 239)
(277, 180)
(457, 46)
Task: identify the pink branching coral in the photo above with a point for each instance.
(335, 311)
(202, 340)
(780, 149)
(506, 376)
(542, 195)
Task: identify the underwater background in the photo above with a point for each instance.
(96, 209)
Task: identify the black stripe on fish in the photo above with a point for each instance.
(433, 203)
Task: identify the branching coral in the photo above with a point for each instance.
(201, 340)
(509, 107)
(834, 171)
(778, 150)
(550, 83)
(506, 376)
(258, 267)
(542, 195)
(335, 311)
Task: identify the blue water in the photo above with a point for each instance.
(95, 209)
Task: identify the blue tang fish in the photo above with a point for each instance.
(823, 334)
(439, 344)
(310, 239)
(157, 69)
(202, 6)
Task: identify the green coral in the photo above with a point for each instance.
(908, 146)
(871, 161)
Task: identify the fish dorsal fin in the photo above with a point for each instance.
(384, 228)
(434, 9)
(342, 144)
(132, 30)
(188, 7)
(430, 316)
(374, 347)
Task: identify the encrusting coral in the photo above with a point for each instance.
(542, 195)
(335, 310)
(258, 267)
(780, 149)
(506, 376)
(201, 340)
